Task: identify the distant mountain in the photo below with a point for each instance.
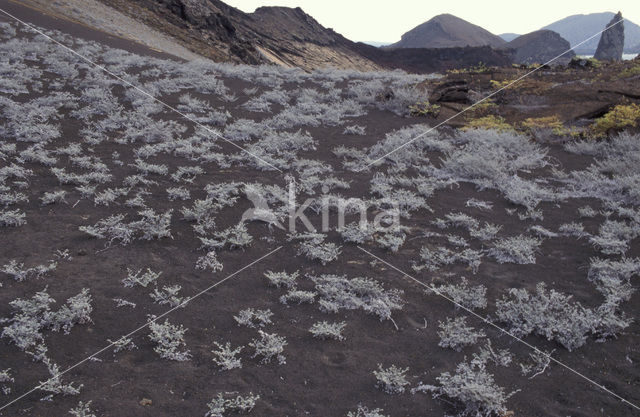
(540, 47)
(579, 27)
(447, 31)
(508, 36)
(273, 35)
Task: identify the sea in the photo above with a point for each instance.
(625, 57)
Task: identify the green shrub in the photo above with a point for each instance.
(424, 108)
(489, 122)
(620, 117)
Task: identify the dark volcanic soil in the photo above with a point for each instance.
(320, 377)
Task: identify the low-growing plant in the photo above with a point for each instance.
(122, 344)
(366, 412)
(338, 292)
(282, 279)
(178, 193)
(553, 315)
(457, 219)
(618, 118)
(354, 130)
(226, 357)
(152, 225)
(471, 297)
(269, 346)
(76, 310)
(391, 241)
(169, 295)
(86, 191)
(517, 249)
(472, 388)
(587, 211)
(82, 410)
(614, 236)
(6, 378)
(457, 241)
(434, 259)
(124, 303)
(542, 232)
(325, 330)
(391, 380)
(538, 364)
(298, 296)
(612, 278)
(551, 123)
(112, 229)
(318, 250)
(108, 196)
(235, 237)
(12, 218)
(134, 278)
(148, 168)
(483, 205)
(573, 229)
(32, 316)
(456, 334)
(490, 121)
(220, 405)
(424, 108)
(209, 261)
(253, 318)
(8, 199)
(54, 384)
(19, 273)
(187, 174)
(630, 71)
(485, 233)
(201, 212)
(169, 340)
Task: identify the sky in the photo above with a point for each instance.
(386, 21)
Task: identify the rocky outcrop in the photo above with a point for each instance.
(540, 47)
(426, 60)
(453, 91)
(578, 28)
(447, 31)
(611, 42)
(582, 63)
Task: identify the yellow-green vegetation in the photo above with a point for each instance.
(585, 62)
(489, 122)
(594, 62)
(480, 68)
(496, 85)
(630, 72)
(424, 108)
(483, 108)
(532, 66)
(620, 117)
(548, 122)
(523, 86)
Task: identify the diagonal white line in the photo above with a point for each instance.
(184, 303)
(492, 324)
(170, 107)
(486, 97)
